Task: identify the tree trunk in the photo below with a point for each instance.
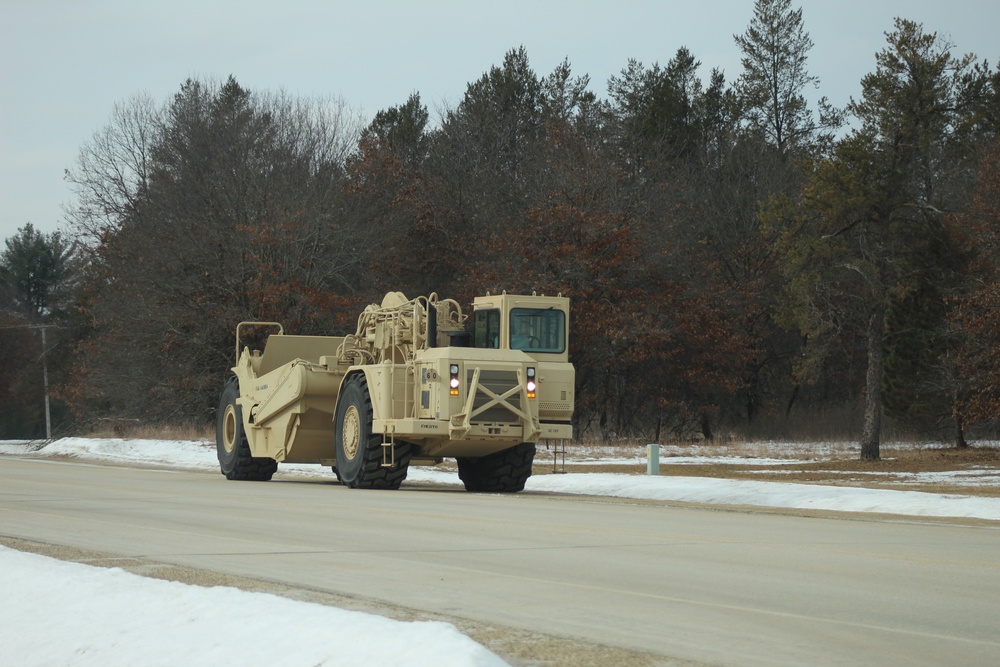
(791, 400)
(706, 427)
(751, 405)
(960, 441)
(873, 387)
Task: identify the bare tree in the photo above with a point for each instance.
(112, 171)
(239, 214)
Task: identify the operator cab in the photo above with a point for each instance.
(536, 325)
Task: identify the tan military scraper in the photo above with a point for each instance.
(415, 384)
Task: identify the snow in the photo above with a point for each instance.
(198, 455)
(61, 613)
(92, 610)
(706, 490)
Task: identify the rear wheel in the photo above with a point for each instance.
(359, 451)
(235, 459)
(502, 472)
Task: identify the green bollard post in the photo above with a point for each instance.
(652, 459)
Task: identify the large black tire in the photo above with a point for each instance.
(502, 472)
(359, 451)
(235, 459)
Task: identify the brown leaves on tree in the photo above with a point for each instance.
(975, 313)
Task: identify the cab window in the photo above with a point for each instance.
(487, 328)
(538, 330)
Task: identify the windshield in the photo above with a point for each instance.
(538, 330)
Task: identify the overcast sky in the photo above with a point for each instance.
(65, 63)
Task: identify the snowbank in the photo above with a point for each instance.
(59, 613)
(713, 491)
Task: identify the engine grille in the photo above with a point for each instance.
(499, 382)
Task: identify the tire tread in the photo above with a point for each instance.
(505, 471)
(246, 467)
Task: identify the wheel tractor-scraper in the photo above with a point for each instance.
(417, 383)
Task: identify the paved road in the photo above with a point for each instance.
(715, 587)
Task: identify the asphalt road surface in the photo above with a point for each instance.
(688, 584)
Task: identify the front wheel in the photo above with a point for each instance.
(501, 472)
(235, 459)
(359, 451)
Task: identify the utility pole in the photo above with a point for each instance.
(45, 378)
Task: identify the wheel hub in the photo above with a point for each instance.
(229, 429)
(352, 433)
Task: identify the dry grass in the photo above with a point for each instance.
(914, 467)
(132, 430)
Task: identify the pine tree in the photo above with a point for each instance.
(870, 228)
(775, 49)
(36, 271)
